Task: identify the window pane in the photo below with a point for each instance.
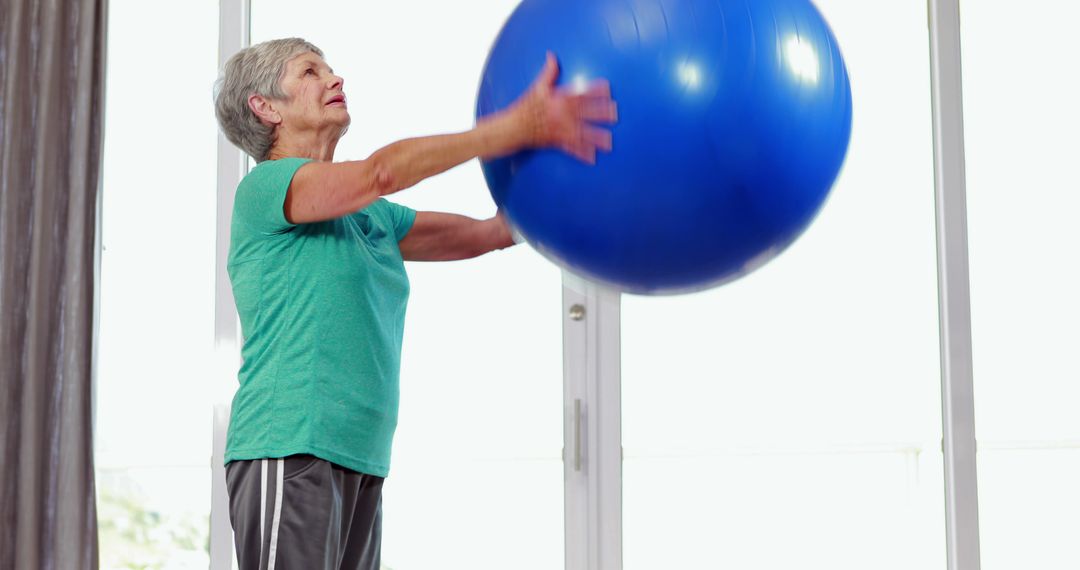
(155, 353)
(1021, 119)
(476, 479)
(154, 517)
(792, 419)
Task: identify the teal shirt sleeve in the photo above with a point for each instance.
(260, 197)
(398, 217)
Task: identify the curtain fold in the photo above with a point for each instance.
(52, 74)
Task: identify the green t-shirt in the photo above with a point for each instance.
(322, 308)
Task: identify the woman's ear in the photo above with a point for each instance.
(264, 110)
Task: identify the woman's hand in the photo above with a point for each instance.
(507, 237)
(565, 118)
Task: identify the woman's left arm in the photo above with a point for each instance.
(438, 236)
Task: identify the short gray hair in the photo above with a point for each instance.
(255, 70)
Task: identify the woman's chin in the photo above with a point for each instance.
(340, 118)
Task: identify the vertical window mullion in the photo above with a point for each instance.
(234, 25)
(958, 407)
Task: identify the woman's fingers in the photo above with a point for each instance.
(549, 74)
(596, 88)
(586, 141)
(595, 104)
(597, 110)
(583, 152)
(597, 138)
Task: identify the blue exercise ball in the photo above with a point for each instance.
(734, 120)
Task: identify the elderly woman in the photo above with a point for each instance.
(316, 263)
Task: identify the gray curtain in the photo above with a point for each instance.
(52, 63)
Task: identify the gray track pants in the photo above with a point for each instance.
(301, 512)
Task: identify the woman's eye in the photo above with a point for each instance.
(309, 72)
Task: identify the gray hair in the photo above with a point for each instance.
(255, 70)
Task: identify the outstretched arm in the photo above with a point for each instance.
(437, 236)
(545, 116)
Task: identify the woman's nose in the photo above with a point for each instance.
(336, 82)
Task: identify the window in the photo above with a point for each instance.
(1021, 120)
(155, 372)
(792, 419)
(788, 419)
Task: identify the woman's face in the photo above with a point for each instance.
(316, 99)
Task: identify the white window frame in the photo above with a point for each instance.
(954, 291)
(234, 34)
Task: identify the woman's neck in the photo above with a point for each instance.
(316, 146)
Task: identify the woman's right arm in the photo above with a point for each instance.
(543, 117)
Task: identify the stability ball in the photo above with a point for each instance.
(734, 120)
